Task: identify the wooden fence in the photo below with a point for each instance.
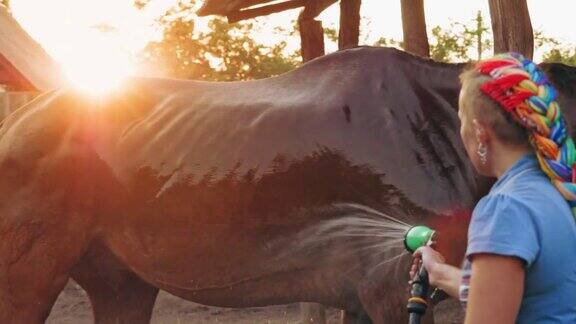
(10, 101)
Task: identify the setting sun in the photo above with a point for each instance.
(94, 42)
(98, 66)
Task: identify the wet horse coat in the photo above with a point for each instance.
(196, 188)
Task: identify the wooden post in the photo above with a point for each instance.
(512, 27)
(311, 32)
(414, 27)
(349, 24)
(311, 38)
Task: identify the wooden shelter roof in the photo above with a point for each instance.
(224, 7)
(237, 10)
(22, 57)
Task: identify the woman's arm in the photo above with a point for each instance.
(447, 278)
(496, 288)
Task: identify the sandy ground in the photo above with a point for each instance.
(73, 307)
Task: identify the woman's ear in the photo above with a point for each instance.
(481, 132)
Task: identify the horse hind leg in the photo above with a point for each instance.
(117, 295)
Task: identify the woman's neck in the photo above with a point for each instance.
(507, 157)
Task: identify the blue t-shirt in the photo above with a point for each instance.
(525, 216)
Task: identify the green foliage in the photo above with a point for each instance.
(225, 52)
(241, 57)
(455, 43)
(178, 54)
(477, 35)
(140, 4)
(331, 34)
(561, 55)
(541, 40)
(449, 45)
(459, 40)
(388, 42)
(557, 53)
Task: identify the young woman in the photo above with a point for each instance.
(520, 263)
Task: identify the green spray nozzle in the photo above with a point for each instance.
(417, 236)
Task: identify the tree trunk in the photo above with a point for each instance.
(311, 38)
(414, 27)
(349, 24)
(512, 27)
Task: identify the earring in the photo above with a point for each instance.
(482, 153)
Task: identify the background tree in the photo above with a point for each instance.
(240, 57)
(388, 42)
(479, 35)
(224, 52)
(561, 55)
(511, 26)
(557, 52)
(466, 42)
(140, 4)
(461, 42)
(449, 45)
(178, 54)
(457, 42)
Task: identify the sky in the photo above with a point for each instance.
(78, 33)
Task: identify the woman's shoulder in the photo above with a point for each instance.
(500, 202)
(532, 194)
(532, 188)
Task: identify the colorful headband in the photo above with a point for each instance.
(523, 90)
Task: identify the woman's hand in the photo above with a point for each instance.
(430, 258)
(440, 274)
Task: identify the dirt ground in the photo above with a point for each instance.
(73, 307)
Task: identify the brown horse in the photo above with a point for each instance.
(198, 188)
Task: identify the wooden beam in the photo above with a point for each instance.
(349, 24)
(314, 8)
(12, 78)
(250, 3)
(236, 16)
(414, 27)
(218, 7)
(512, 27)
(311, 38)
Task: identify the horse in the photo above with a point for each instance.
(206, 190)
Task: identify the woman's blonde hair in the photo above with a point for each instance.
(488, 111)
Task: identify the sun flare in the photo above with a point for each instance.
(97, 75)
(97, 67)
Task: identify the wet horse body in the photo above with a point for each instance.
(196, 188)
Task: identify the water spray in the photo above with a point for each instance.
(416, 237)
